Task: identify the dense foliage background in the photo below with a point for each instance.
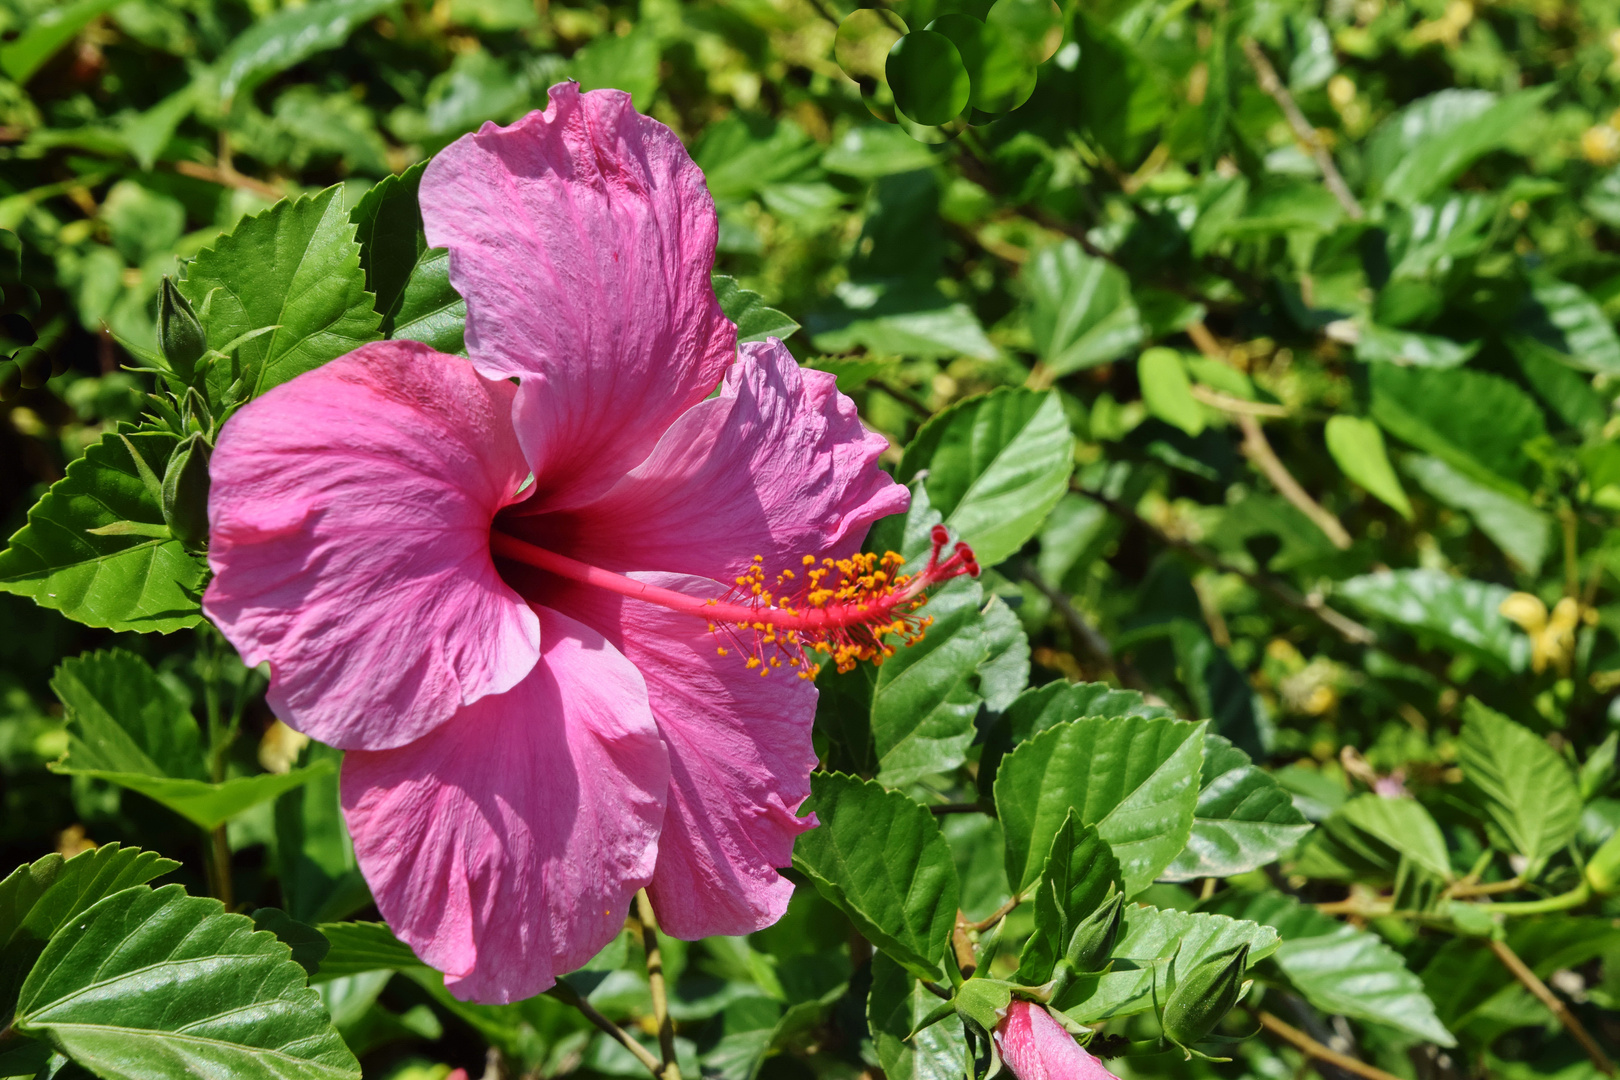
(1267, 353)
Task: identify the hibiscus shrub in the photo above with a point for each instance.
(856, 541)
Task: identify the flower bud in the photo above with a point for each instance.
(1094, 938)
(1603, 870)
(180, 335)
(1204, 996)
(35, 365)
(1035, 1047)
(185, 492)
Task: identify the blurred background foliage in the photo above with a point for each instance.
(1326, 293)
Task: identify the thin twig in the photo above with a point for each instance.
(671, 1070)
(569, 996)
(1257, 448)
(1266, 75)
(1281, 591)
(1085, 635)
(1227, 403)
(1571, 1022)
(966, 961)
(1313, 1049)
(226, 178)
(995, 917)
(906, 398)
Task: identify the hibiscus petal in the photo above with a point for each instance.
(582, 239)
(350, 512)
(777, 465)
(1035, 1047)
(506, 846)
(740, 760)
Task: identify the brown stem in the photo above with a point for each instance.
(226, 178)
(1085, 635)
(218, 860)
(1490, 888)
(965, 960)
(1313, 1049)
(670, 1069)
(1257, 448)
(995, 917)
(1571, 1022)
(1266, 75)
(568, 995)
(1283, 593)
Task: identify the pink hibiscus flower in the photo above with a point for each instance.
(1035, 1047)
(498, 598)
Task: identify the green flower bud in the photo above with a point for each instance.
(1094, 938)
(185, 492)
(1603, 871)
(35, 365)
(180, 335)
(1204, 996)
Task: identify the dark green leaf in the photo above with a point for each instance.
(320, 877)
(308, 945)
(1522, 532)
(1243, 820)
(1076, 877)
(1457, 612)
(1005, 672)
(290, 36)
(363, 946)
(1427, 145)
(388, 228)
(880, 858)
(1561, 322)
(1476, 422)
(896, 1004)
(430, 309)
(51, 29)
(755, 321)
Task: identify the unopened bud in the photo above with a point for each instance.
(185, 492)
(1204, 996)
(1094, 938)
(180, 335)
(1603, 869)
(35, 365)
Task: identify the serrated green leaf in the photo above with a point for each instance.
(430, 310)
(923, 698)
(1340, 969)
(879, 857)
(1404, 825)
(149, 984)
(1357, 445)
(1004, 673)
(295, 266)
(39, 899)
(308, 945)
(1041, 707)
(1135, 779)
(1457, 612)
(1076, 877)
(996, 465)
(388, 227)
(896, 1004)
(290, 36)
(358, 947)
(755, 320)
(1243, 819)
(1527, 788)
(118, 582)
(1155, 950)
(1081, 313)
(125, 726)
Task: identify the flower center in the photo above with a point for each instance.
(845, 609)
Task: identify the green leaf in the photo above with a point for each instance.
(45, 33)
(1121, 97)
(1527, 788)
(308, 945)
(907, 318)
(1522, 532)
(1457, 612)
(1042, 707)
(118, 582)
(1081, 313)
(873, 150)
(896, 1004)
(1243, 819)
(1476, 422)
(924, 698)
(1428, 144)
(1167, 392)
(358, 947)
(879, 857)
(1380, 344)
(430, 310)
(388, 228)
(290, 36)
(1135, 779)
(755, 321)
(745, 153)
(319, 875)
(126, 726)
(1358, 447)
(1155, 950)
(931, 84)
(1075, 880)
(1562, 322)
(1403, 824)
(147, 983)
(39, 899)
(996, 465)
(295, 266)
(1339, 969)
(1004, 673)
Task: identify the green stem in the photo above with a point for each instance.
(567, 994)
(217, 857)
(1562, 902)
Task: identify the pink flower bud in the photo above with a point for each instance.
(1035, 1047)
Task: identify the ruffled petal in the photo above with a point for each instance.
(740, 760)
(350, 511)
(582, 239)
(1035, 1047)
(777, 465)
(505, 847)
